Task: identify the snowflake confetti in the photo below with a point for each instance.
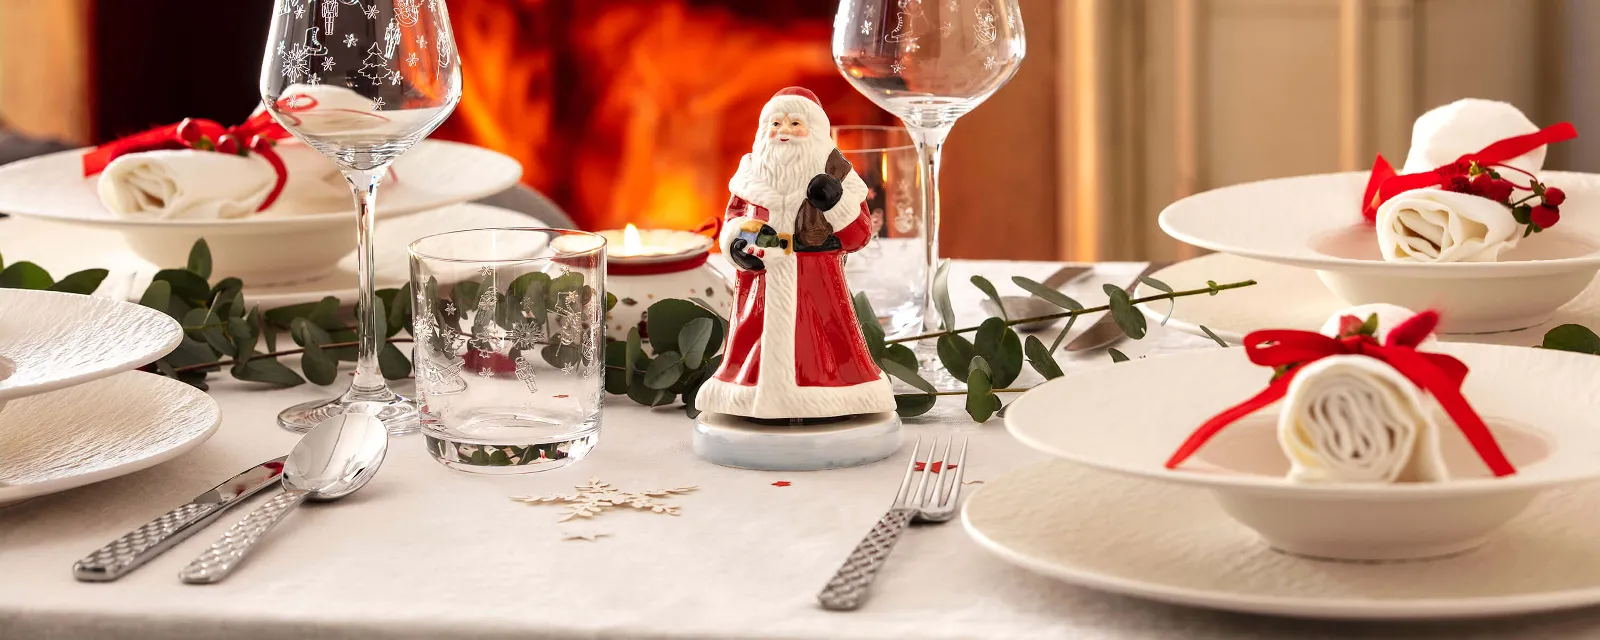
(327, 64)
(595, 497)
(377, 104)
(350, 40)
(412, 59)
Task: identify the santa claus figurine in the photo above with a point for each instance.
(795, 355)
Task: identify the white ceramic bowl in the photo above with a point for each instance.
(1315, 222)
(1129, 417)
(271, 248)
(52, 340)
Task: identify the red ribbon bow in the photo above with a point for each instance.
(1437, 373)
(260, 131)
(1384, 183)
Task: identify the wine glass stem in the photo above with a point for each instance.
(930, 144)
(369, 324)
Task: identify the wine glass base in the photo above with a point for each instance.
(933, 371)
(398, 414)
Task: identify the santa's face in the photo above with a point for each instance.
(783, 128)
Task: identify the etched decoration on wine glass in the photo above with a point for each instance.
(928, 62)
(361, 81)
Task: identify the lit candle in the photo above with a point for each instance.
(644, 266)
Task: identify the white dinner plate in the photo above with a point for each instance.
(97, 430)
(1315, 222)
(432, 174)
(1287, 297)
(1172, 543)
(51, 340)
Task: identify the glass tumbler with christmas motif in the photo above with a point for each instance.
(509, 337)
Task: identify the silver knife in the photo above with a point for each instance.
(125, 554)
(1105, 331)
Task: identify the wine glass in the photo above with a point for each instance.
(361, 81)
(928, 62)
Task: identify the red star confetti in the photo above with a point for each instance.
(937, 466)
(781, 483)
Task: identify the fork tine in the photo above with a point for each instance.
(927, 466)
(905, 484)
(961, 467)
(936, 498)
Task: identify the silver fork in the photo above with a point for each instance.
(848, 588)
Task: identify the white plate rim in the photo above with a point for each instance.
(1262, 485)
(255, 222)
(108, 369)
(10, 494)
(1323, 608)
(1349, 265)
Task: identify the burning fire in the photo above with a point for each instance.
(637, 110)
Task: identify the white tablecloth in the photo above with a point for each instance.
(426, 552)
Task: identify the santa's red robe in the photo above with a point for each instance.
(794, 349)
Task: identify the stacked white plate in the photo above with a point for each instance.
(72, 409)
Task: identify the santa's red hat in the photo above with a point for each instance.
(798, 100)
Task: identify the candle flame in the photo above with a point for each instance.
(632, 244)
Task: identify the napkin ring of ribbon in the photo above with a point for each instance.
(260, 132)
(1288, 350)
(1385, 183)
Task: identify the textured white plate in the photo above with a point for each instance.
(432, 174)
(1289, 297)
(1173, 544)
(98, 430)
(53, 340)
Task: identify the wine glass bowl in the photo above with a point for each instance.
(361, 81)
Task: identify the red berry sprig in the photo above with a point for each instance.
(1485, 181)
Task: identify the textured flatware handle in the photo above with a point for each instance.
(848, 588)
(227, 552)
(125, 554)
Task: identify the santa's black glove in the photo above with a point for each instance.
(824, 192)
(744, 260)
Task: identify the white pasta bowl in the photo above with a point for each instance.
(1315, 222)
(292, 241)
(1130, 417)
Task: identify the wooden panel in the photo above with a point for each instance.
(44, 67)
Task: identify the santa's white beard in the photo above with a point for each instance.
(790, 166)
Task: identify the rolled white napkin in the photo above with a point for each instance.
(1466, 126)
(1353, 418)
(193, 185)
(1434, 225)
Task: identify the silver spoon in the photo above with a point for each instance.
(333, 460)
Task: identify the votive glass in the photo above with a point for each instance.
(509, 336)
(890, 269)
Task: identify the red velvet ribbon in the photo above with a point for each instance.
(615, 266)
(1383, 183)
(260, 131)
(1437, 373)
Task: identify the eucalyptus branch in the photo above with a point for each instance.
(208, 366)
(1088, 310)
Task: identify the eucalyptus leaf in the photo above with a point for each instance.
(1117, 356)
(1128, 318)
(941, 295)
(903, 355)
(392, 362)
(955, 351)
(987, 288)
(1000, 346)
(664, 371)
(695, 338)
(1040, 358)
(1572, 337)
(82, 282)
(1047, 294)
(1211, 334)
(907, 374)
(319, 367)
(27, 275)
(267, 370)
(200, 259)
(913, 404)
(186, 285)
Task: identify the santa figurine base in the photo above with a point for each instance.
(814, 445)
